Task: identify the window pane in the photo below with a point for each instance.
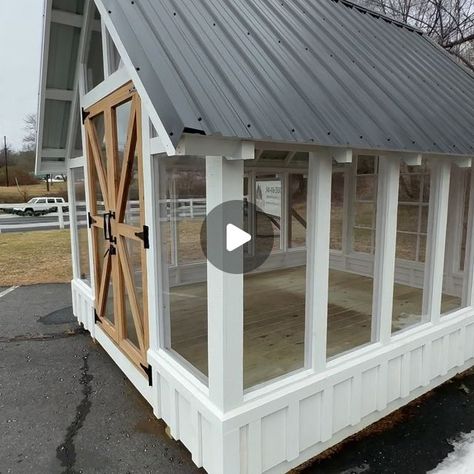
(467, 193)
(95, 60)
(298, 189)
(363, 240)
(364, 203)
(268, 198)
(81, 227)
(275, 296)
(350, 294)
(411, 246)
(183, 209)
(364, 214)
(366, 188)
(337, 209)
(454, 282)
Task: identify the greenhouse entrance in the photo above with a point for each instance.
(117, 219)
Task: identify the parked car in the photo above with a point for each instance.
(36, 206)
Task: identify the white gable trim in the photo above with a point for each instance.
(145, 98)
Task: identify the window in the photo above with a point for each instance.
(466, 186)
(337, 207)
(454, 281)
(297, 225)
(414, 193)
(94, 65)
(268, 198)
(351, 279)
(275, 294)
(183, 210)
(412, 227)
(80, 225)
(365, 204)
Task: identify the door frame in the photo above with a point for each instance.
(114, 182)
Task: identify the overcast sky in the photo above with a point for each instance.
(20, 49)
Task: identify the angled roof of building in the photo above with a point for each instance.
(325, 72)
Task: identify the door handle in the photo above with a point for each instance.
(108, 227)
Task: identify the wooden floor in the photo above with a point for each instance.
(274, 319)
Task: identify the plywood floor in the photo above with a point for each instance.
(274, 318)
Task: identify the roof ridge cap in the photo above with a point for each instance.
(375, 13)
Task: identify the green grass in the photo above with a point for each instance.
(30, 258)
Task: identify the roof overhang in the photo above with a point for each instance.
(63, 28)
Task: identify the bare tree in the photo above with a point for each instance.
(30, 126)
(449, 22)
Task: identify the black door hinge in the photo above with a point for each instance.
(149, 373)
(145, 236)
(84, 114)
(96, 317)
(90, 220)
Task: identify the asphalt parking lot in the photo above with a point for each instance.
(66, 408)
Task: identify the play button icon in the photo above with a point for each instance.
(237, 237)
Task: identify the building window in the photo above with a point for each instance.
(365, 204)
(413, 201)
(351, 282)
(454, 281)
(94, 64)
(80, 225)
(337, 207)
(183, 211)
(297, 195)
(412, 228)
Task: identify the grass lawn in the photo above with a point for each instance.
(12, 195)
(29, 258)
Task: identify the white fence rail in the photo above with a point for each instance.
(178, 209)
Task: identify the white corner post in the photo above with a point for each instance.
(468, 290)
(224, 180)
(436, 239)
(320, 182)
(154, 257)
(385, 248)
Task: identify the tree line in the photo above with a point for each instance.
(448, 22)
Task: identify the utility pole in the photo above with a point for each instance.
(6, 158)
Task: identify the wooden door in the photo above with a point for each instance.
(120, 237)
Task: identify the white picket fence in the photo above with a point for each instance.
(178, 209)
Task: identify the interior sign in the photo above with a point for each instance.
(268, 197)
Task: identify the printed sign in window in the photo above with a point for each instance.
(268, 197)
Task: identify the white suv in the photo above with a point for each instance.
(39, 205)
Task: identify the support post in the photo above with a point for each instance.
(385, 248)
(60, 216)
(224, 180)
(320, 182)
(468, 290)
(436, 240)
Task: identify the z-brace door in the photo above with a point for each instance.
(120, 237)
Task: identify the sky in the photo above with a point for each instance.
(20, 56)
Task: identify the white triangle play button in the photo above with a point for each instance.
(236, 237)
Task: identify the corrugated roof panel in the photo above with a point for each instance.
(323, 72)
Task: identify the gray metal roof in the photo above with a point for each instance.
(319, 71)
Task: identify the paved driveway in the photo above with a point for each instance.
(64, 405)
(66, 408)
